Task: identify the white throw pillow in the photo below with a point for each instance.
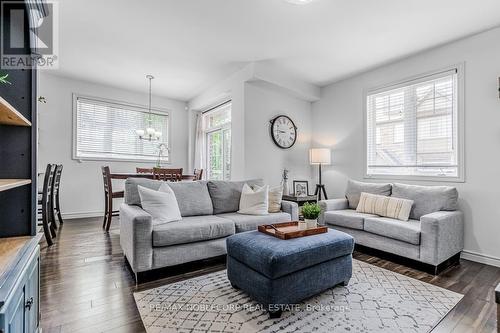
(381, 205)
(254, 202)
(161, 205)
(275, 197)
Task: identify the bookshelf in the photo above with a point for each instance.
(10, 116)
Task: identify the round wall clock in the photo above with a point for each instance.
(283, 131)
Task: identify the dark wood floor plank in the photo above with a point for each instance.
(86, 285)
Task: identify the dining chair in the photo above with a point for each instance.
(109, 195)
(55, 197)
(45, 203)
(143, 170)
(198, 174)
(173, 175)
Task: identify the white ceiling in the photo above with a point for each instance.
(190, 44)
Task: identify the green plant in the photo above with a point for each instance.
(311, 211)
(3, 79)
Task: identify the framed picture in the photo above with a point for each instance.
(300, 188)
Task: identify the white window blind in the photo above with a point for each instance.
(412, 128)
(106, 131)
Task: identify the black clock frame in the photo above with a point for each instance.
(272, 121)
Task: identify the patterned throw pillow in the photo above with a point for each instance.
(392, 207)
(275, 194)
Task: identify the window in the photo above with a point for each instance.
(413, 129)
(105, 130)
(217, 128)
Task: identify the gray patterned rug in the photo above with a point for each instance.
(375, 300)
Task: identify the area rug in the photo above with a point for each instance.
(375, 300)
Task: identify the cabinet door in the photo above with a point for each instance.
(16, 320)
(32, 309)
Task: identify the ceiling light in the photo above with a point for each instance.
(149, 133)
(299, 2)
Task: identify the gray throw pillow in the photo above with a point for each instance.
(354, 189)
(427, 199)
(193, 198)
(226, 194)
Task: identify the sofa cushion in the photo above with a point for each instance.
(354, 189)
(226, 194)
(274, 257)
(191, 229)
(254, 201)
(131, 196)
(348, 218)
(396, 208)
(193, 197)
(427, 199)
(408, 231)
(161, 204)
(244, 222)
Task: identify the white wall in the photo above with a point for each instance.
(258, 93)
(230, 88)
(263, 159)
(338, 123)
(81, 187)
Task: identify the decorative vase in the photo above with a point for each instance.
(286, 189)
(311, 223)
(284, 182)
(302, 225)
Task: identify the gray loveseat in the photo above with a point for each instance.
(434, 235)
(209, 215)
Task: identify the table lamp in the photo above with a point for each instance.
(320, 156)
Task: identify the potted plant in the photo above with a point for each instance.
(3, 78)
(311, 212)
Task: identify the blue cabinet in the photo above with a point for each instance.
(20, 293)
(16, 318)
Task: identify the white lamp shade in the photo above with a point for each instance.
(320, 156)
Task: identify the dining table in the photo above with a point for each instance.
(125, 175)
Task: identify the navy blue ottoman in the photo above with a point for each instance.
(278, 272)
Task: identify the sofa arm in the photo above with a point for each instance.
(328, 205)
(442, 236)
(136, 237)
(291, 208)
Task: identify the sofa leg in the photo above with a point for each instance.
(234, 286)
(275, 314)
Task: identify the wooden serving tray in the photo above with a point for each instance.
(289, 230)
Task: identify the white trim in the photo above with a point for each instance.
(81, 215)
(460, 70)
(480, 258)
(155, 110)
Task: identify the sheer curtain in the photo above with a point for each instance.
(199, 144)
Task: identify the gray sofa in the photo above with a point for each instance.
(208, 211)
(434, 235)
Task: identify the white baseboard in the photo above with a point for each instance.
(481, 258)
(82, 215)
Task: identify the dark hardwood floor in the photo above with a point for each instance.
(86, 286)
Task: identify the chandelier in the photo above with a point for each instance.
(149, 133)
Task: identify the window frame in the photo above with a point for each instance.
(460, 70)
(154, 110)
(207, 131)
